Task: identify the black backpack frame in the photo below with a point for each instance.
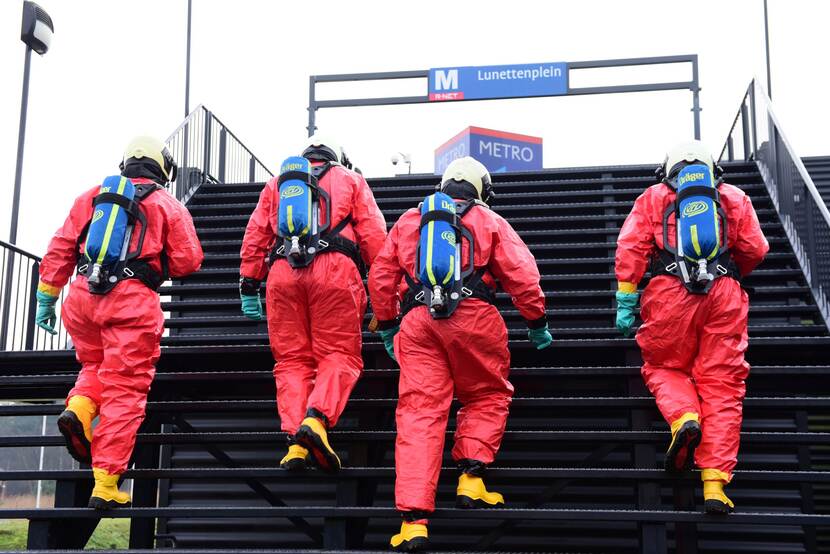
(669, 262)
(102, 279)
(442, 302)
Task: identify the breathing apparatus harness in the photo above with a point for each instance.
(442, 300)
(300, 251)
(101, 279)
(698, 278)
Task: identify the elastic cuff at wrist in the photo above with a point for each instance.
(248, 286)
(537, 323)
(626, 287)
(49, 290)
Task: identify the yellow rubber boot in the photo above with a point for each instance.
(295, 460)
(714, 499)
(471, 493)
(313, 437)
(412, 538)
(75, 424)
(685, 438)
(106, 495)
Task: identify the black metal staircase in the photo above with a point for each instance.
(579, 463)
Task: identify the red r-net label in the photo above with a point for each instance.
(443, 96)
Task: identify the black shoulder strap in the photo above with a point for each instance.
(143, 191)
(317, 171)
(81, 237)
(340, 226)
(462, 208)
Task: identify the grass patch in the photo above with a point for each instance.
(110, 534)
(13, 534)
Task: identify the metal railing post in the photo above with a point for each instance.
(252, 170)
(754, 118)
(730, 149)
(206, 158)
(312, 106)
(7, 300)
(745, 129)
(223, 145)
(184, 163)
(696, 98)
(31, 312)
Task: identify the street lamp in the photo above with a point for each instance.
(36, 32)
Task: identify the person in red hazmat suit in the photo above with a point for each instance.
(693, 337)
(465, 353)
(116, 334)
(315, 313)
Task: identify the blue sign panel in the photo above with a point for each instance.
(499, 151)
(497, 81)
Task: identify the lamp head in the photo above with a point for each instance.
(37, 28)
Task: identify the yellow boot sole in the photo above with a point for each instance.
(73, 433)
(312, 436)
(98, 503)
(688, 437)
(412, 538)
(717, 507)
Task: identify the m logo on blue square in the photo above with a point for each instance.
(497, 81)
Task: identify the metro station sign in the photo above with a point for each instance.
(498, 81)
(499, 151)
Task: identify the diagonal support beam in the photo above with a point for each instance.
(255, 485)
(541, 498)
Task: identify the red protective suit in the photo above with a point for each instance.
(117, 335)
(466, 352)
(315, 313)
(693, 345)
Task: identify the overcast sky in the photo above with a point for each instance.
(116, 69)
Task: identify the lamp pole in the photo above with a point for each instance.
(187, 69)
(21, 138)
(766, 39)
(36, 33)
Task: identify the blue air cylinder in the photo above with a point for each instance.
(439, 256)
(698, 227)
(107, 237)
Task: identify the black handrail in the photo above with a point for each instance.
(206, 151)
(19, 272)
(804, 214)
(18, 250)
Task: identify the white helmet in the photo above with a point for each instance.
(685, 153)
(471, 171)
(154, 151)
(323, 148)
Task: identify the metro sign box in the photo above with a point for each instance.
(499, 151)
(497, 81)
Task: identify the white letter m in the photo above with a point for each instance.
(446, 80)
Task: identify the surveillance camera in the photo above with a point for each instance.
(395, 159)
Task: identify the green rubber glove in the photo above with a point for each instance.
(252, 306)
(45, 318)
(626, 303)
(388, 336)
(541, 337)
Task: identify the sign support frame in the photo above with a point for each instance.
(693, 85)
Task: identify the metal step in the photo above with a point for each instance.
(517, 219)
(520, 192)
